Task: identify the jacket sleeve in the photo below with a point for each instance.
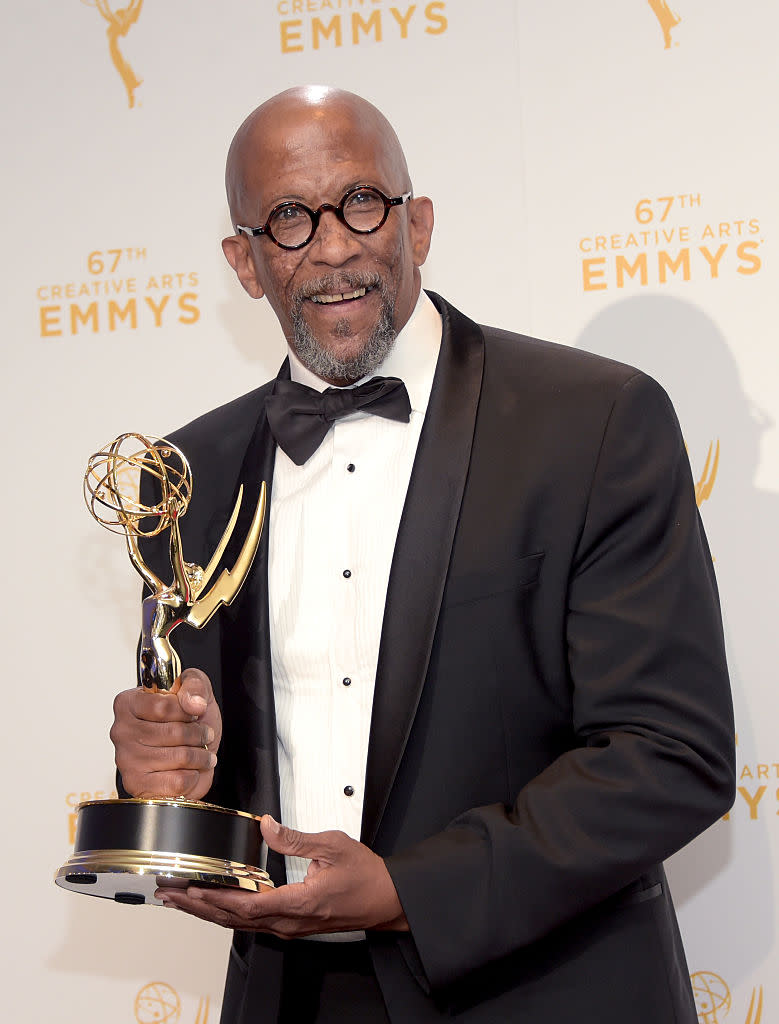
(653, 760)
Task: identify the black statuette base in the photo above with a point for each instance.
(126, 849)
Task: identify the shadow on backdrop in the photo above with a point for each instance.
(681, 347)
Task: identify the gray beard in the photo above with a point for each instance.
(325, 365)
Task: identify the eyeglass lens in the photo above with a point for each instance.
(362, 211)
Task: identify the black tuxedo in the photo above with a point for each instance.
(551, 715)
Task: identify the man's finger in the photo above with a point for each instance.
(174, 734)
(169, 785)
(149, 707)
(232, 913)
(194, 693)
(172, 759)
(284, 906)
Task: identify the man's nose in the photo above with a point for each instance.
(333, 242)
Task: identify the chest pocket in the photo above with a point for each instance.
(514, 574)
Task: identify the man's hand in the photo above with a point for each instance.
(347, 888)
(161, 738)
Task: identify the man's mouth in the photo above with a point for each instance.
(327, 298)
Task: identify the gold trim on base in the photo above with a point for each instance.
(132, 876)
(173, 801)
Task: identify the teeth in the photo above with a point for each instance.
(356, 294)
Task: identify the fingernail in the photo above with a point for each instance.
(273, 824)
(195, 894)
(198, 702)
(210, 734)
(211, 760)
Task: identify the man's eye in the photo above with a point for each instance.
(363, 199)
(364, 204)
(289, 214)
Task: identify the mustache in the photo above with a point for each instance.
(336, 284)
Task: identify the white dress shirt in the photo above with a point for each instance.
(333, 526)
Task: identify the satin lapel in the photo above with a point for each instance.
(422, 552)
(246, 640)
(257, 465)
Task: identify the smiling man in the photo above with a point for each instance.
(340, 295)
(478, 668)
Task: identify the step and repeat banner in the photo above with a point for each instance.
(630, 146)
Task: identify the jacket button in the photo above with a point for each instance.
(346, 681)
(349, 790)
(347, 573)
(350, 468)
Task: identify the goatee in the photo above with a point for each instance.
(325, 364)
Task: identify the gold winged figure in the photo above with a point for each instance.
(111, 491)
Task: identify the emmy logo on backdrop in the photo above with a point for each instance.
(755, 1012)
(668, 20)
(705, 484)
(713, 1001)
(159, 1003)
(119, 24)
(125, 849)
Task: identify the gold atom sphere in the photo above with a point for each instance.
(112, 484)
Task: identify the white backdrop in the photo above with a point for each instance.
(639, 181)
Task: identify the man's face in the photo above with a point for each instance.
(314, 158)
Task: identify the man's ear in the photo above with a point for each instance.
(239, 255)
(420, 220)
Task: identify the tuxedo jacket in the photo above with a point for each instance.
(552, 713)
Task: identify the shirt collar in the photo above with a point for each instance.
(412, 358)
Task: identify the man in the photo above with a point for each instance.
(478, 669)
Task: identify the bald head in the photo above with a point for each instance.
(284, 128)
(342, 295)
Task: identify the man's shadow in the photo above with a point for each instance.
(727, 872)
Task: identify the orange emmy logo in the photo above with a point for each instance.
(705, 484)
(668, 20)
(159, 1003)
(120, 22)
(713, 1001)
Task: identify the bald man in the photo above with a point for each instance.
(478, 668)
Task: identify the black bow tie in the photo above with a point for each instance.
(299, 417)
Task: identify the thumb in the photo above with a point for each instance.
(292, 843)
(195, 692)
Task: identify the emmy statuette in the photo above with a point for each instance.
(125, 849)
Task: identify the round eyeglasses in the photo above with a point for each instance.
(291, 225)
